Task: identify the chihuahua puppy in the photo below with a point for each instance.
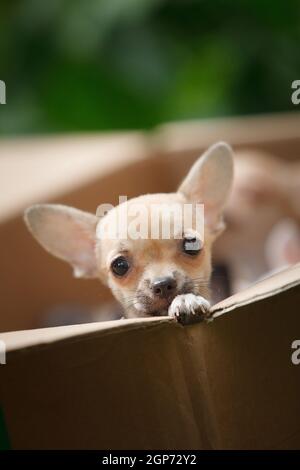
(148, 276)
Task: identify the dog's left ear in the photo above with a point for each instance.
(67, 233)
(209, 182)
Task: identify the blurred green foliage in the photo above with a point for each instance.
(74, 65)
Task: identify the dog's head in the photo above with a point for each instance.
(148, 249)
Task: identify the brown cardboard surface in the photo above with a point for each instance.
(276, 133)
(41, 168)
(270, 286)
(155, 384)
(16, 340)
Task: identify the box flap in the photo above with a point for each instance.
(271, 285)
(154, 384)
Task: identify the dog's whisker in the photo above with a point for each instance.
(201, 284)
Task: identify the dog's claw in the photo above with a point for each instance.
(190, 308)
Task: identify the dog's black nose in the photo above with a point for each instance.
(164, 287)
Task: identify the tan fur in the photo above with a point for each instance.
(73, 236)
(151, 258)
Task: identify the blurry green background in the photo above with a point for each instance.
(121, 64)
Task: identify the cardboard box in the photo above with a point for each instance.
(154, 384)
(148, 383)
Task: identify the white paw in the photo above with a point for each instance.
(189, 308)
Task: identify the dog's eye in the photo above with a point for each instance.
(191, 246)
(120, 266)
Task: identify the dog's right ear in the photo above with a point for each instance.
(209, 182)
(66, 233)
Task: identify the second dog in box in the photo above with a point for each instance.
(149, 275)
